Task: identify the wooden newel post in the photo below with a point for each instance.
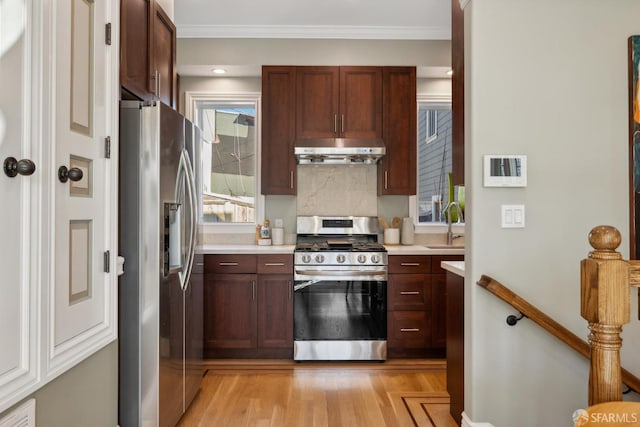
(605, 304)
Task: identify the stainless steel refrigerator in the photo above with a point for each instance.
(160, 307)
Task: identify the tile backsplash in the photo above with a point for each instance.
(337, 190)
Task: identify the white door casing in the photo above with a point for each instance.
(20, 201)
(41, 336)
(81, 297)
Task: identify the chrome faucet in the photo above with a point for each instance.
(447, 210)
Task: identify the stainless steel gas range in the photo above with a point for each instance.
(340, 289)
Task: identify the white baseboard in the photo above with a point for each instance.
(466, 422)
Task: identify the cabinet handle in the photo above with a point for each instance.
(409, 330)
(342, 124)
(157, 84)
(200, 264)
(386, 179)
(290, 289)
(253, 290)
(410, 293)
(335, 123)
(227, 264)
(274, 264)
(291, 178)
(410, 264)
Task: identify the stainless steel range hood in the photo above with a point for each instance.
(343, 151)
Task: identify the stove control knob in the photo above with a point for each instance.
(362, 259)
(319, 258)
(375, 259)
(306, 258)
(340, 258)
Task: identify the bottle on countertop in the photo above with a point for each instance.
(258, 233)
(265, 232)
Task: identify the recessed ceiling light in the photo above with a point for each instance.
(450, 72)
(219, 71)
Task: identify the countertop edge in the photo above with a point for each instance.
(224, 249)
(455, 267)
(243, 249)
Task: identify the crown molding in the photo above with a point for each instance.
(313, 32)
(464, 3)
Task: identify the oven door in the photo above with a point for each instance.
(340, 316)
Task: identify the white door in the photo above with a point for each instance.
(82, 290)
(19, 201)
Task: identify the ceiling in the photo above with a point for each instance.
(311, 19)
(372, 19)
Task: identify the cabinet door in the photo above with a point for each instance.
(278, 130)
(397, 169)
(230, 311)
(135, 60)
(317, 106)
(439, 299)
(360, 102)
(275, 310)
(81, 299)
(21, 274)
(163, 57)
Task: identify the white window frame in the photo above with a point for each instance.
(422, 228)
(432, 131)
(191, 98)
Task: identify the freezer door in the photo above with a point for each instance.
(173, 241)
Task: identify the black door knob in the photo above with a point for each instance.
(73, 174)
(13, 167)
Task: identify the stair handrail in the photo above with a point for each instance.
(605, 376)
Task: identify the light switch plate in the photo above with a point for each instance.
(512, 216)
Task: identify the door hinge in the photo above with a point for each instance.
(107, 261)
(107, 147)
(107, 34)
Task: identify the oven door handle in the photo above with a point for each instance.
(341, 273)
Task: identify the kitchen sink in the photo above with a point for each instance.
(444, 246)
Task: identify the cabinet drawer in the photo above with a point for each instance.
(409, 264)
(409, 292)
(230, 263)
(275, 264)
(437, 259)
(408, 329)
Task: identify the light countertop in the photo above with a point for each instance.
(456, 267)
(288, 249)
(244, 249)
(422, 250)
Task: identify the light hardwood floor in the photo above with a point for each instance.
(285, 394)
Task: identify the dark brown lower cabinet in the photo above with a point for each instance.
(230, 311)
(416, 322)
(248, 306)
(455, 344)
(275, 311)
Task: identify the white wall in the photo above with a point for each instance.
(548, 79)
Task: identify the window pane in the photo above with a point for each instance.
(434, 160)
(228, 161)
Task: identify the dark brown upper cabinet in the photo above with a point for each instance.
(278, 130)
(341, 102)
(397, 169)
(147, 51)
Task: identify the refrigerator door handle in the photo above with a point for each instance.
(191, 191)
